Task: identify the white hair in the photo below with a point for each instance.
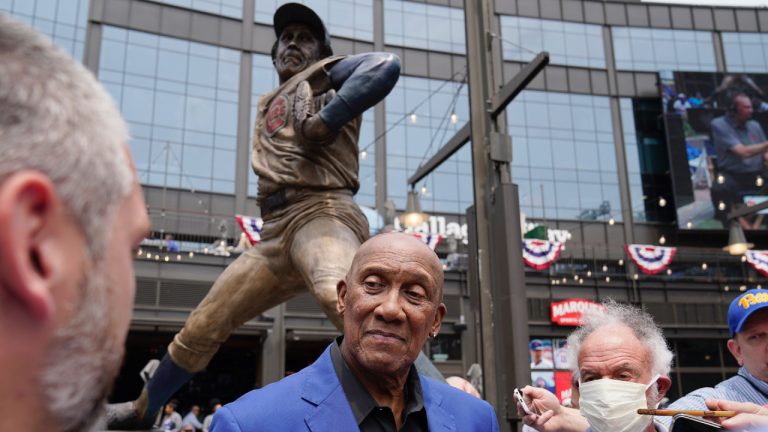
(640, 322)
(56, 118)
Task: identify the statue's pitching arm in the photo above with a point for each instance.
(359, 82)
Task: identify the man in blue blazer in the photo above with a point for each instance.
(391, 301)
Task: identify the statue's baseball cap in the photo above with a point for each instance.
(291, 13)
(743, 306)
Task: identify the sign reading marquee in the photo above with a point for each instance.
(570, 312)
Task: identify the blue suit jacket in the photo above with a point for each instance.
(313, 400)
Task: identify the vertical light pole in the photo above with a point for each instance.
(499, 266)
(496, 276)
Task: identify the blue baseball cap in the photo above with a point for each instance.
(536, 345)
(745, 305)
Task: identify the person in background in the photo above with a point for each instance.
(748, 324)
(538, 352)
(171, 421)
(71, 215)
(622, 363)
(171, 245)
(463, 385)
(742, 151)
(215, 405)
(681, 105)
(192, 418)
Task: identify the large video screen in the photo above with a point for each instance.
(715, 125)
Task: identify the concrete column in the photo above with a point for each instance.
(93, 31)
(379, 114)
(273, 349)
(717, 42)
(243, 162)
(242, 158)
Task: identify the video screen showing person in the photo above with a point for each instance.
(541, 354)
(561, 354)
(715, 125)
(545, 380)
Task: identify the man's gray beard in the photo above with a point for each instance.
(83, 360)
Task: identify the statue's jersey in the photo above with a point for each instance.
(280, 160)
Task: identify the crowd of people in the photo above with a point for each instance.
(72, 214)
(621, 363)
(171, 420)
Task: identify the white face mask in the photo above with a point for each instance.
(611, 405)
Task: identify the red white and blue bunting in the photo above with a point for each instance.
(759, 260)
(430, 240)
(540, 254)
(650, 259)
(251, 226)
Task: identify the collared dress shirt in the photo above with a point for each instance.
(368, 414)
(743, 387)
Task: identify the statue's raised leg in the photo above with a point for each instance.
(246, 288)
(322, 251)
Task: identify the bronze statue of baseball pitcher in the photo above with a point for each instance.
(305, 152)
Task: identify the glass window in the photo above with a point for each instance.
(746, 52)
(693, 381)
(645, 49)
(564, 160)
(64, 21)
(230, 8)
(445, 347)
(647, 158)
(567, 43)
(345, 18)
(698, 352)
(632, 152)
(180, 101)
(367, 193)
(419, 25)
(419, 123)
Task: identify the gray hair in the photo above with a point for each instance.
(56, 118)
(640, 322)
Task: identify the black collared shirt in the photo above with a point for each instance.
(368, 414)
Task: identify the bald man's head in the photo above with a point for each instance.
(391, 301)
(407, 247)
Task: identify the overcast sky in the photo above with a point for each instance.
(752, 3)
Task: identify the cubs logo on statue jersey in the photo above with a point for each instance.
(277, 115)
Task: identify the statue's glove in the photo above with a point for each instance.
(310, 128)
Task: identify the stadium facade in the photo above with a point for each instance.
(590, 157)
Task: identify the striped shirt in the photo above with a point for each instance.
(658, 426)
(743, 387)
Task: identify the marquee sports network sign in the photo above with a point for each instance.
(571, 312)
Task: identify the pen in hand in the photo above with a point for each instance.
(663, 412)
